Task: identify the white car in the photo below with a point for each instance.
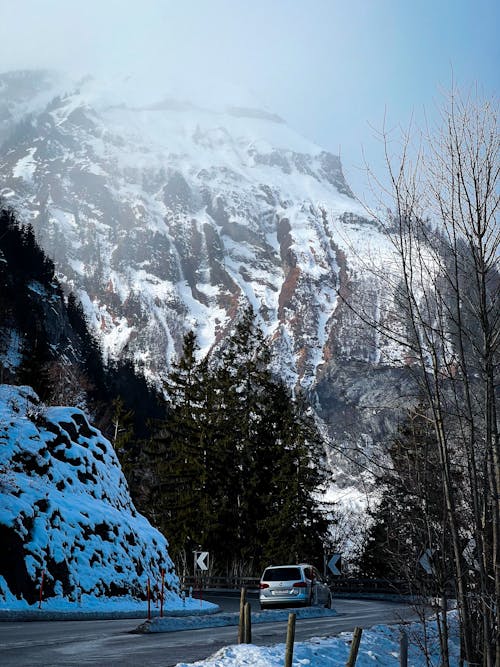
(293, 585)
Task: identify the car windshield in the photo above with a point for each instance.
(281, 574)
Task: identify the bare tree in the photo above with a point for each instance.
(443, 227)
(68, 384)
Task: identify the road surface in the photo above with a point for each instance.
(103, 643)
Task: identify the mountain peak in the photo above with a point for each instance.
(166, 212)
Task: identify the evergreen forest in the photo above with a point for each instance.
(236, 465)
(222, 457)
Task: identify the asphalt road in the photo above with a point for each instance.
(78, 643)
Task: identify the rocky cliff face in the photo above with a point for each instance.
(164, 215)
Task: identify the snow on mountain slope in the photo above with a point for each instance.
(167, 214)
(65, 510)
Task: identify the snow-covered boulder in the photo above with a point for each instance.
(65, 510)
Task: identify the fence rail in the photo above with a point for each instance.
(208, 581)
(338, 584)
(383, 586)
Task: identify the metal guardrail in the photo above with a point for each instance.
(338, 584)
(382, 586)
(208, 581)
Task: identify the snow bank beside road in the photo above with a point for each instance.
(94, 608)
(379, 646)
(226, 619)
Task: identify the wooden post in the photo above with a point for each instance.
(241, 624)
(356, 639)
(162, 592)
(149, 600)
(248, 623)
(403, 649)
(290, 638)
(41, 590)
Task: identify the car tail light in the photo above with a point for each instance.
(300, 584)
(261, 586)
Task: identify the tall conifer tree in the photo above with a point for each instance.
(181, 467)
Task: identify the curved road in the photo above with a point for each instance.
(76, 643)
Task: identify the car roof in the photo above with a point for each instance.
(288, 565)
(278, 567)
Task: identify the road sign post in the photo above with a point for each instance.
(201, 559)
(335, 564)
(426, 561)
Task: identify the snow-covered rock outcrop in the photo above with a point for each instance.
(65, 510)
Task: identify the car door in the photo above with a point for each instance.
(311, 584)
(322, 591)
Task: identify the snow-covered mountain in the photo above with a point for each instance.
(65, 511)
(166, 214)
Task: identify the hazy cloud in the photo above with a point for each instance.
(330, 67)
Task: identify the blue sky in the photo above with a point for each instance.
(331, 68)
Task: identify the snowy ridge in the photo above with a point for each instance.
(65, 510)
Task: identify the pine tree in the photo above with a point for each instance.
(180, 451)
(273, 457)
(240, 381)
(410, 519)
(237, 461)
(297, 526)
(122, 434)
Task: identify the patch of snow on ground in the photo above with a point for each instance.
(353, 521)
(117, 337)
(226, 619)
(25, 167)
(379, 645)
(105, 606)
